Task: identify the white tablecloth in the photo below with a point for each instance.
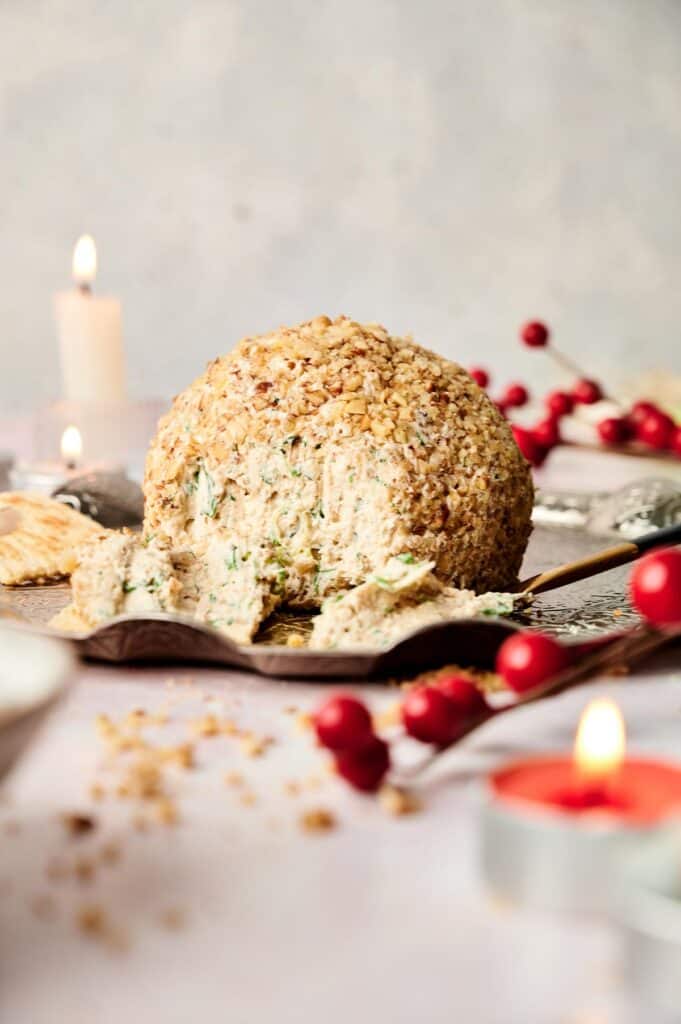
(380, 919)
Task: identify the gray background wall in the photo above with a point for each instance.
(447, 167)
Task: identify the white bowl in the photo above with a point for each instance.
(34, 671)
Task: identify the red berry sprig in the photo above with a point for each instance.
(614, 430)
(532, 449)
(533, 665)
(536, 334)
(480, 376)
(587, 392)
(430, 716)
(365, 769)
(559, 403)
(515, 396)
(655, 587)
(528, 659)
(343, 725)
(436, 714)
(645, 423)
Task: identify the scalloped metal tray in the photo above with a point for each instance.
(586, 609)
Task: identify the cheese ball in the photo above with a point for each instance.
(316, 453)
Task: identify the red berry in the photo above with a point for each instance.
(614, 430)
(365, 769)
(546, 433)
(586, 392)
(526, 660)
(533, 452)
(428, 715)
(655, 586)
(343, 723)
(515, 395)
(675, 442)
(464, 694)
(640, 410)
(559, 403)
(480, 376)
(656, 430)
(535, 334)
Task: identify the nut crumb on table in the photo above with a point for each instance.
(172, 918)
(94, 922)
(234, 779)
(397, 801)
(78, 824)
(317, 819)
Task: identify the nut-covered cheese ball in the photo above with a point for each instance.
(318, 452)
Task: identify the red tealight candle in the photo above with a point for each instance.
(555, 826)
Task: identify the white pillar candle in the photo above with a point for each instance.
(90, 335)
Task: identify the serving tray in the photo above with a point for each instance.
(586, 609)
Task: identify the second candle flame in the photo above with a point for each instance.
(85, 261)
(71, 446)
(600, 742)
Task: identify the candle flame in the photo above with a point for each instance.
(85, 261)
(600, 742)
(71, 445)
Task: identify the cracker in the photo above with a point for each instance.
(39, 537)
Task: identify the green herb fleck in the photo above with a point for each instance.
(318, 573)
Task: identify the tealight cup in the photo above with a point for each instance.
(549, 845)
(555, 828)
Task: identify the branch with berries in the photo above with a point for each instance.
(643, 427)
(532, 665)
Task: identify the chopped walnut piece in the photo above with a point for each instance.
(206, 726)
(77, 824)
(110, 853)
(182, 755)
(317, 820)
(94, 922)
(255, 746)
(167, 812)
(398, 801)
(143, 780)
(84, 869)
(91, 919)
(172, 918)
(304, 722)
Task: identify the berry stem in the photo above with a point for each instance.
(565, 362)
(625, 649)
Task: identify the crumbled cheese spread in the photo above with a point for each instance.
(402, 598)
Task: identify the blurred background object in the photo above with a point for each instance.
(451, 169)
